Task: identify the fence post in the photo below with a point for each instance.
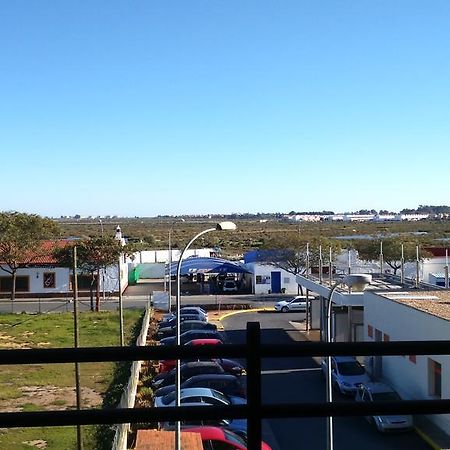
(254, 385)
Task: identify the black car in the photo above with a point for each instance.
(185, 326)
(187, 370)
(192, 334)
(225, 383)
(172, 322)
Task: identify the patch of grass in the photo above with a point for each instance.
(8, 392)
(59, 402)
(96, 329)
(30, 407)
(57, 438)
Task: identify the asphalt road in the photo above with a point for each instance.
(295, 380)
(37, 305)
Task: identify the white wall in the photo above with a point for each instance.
(36, 277)
(62, 279)
(162, 256)
(111, 278)
(288, 280)
(401, 322)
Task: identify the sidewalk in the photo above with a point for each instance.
(434, 436)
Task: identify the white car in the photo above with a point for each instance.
(293, 304)
(229, 286)
(204, 397)
(381, 392)
(346, 374)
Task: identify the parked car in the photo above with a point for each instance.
(173, 321)
(185, 326)
(204, 342)
(222, 382)
(217, 438)
(229, 365)
(381, 392)
(229, 286)
(203, 397)
(187, 370)
(294, 304)
(346, 374)
(192, 334)
(194, 310)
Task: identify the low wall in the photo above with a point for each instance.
(129, 394)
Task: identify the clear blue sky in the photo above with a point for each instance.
(219, 106)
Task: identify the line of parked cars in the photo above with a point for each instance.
(216, 381)
(349, 378)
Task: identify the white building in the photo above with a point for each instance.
(270, 279)
(410, 316)
(44, 278)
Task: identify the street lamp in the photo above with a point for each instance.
(357, 282)
(222, 226)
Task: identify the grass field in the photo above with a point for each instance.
(38, 387)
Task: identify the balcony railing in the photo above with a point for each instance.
(253, 351)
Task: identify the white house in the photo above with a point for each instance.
(410, 316)
(44, 278)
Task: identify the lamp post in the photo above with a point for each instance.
(222, 226)
(359, 282)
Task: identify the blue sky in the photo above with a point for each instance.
(218, 106)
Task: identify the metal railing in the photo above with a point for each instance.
(253, 351)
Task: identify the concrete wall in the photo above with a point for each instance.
(162, 256)
(408, 375)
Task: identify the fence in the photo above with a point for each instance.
(254, 410)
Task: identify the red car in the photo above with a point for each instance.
(215, 438)
(204, 342)
(168, 364)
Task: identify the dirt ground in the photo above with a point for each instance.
(51, 398)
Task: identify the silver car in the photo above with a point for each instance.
(381, 392)
(293, 304)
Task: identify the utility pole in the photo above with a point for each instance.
(120, 305)
(75, 334)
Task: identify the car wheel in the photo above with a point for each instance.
(284, 309)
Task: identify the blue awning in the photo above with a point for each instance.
(196, 264)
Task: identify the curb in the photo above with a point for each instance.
(244, 311)
(427, 439)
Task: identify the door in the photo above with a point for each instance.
(275, 282)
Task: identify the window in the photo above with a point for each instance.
(370, 331)
(386, 338)
(49, 280)
(22, 284)
(286, 280)
(262, 279)
(434, 378)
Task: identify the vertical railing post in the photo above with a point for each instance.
(254, 386)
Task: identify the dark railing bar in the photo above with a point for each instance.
(254, 429)
(103, 354)
(169, 414)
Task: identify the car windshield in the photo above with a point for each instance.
(350, 368)
(233, 437)
(385, 397)
(220, 396)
